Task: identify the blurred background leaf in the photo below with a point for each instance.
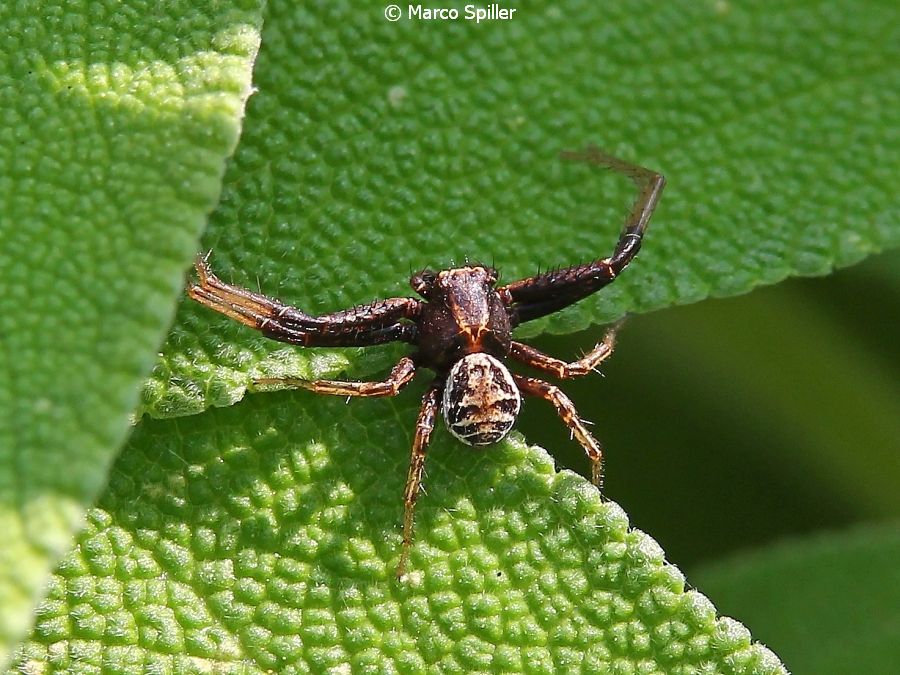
(848, 583)
(777, 409)
(116, 121)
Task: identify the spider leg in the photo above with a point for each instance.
(543, 294)
(537, 359)
(424, 427)
(569, 415)
(400, 376)
(376, 323)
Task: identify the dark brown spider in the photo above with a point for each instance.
(462, 331)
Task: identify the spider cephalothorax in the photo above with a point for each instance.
(463, 314)
(462, 331)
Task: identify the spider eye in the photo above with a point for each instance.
(423, 282)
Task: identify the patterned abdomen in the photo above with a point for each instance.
(481, 400)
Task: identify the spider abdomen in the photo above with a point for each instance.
(481, 401)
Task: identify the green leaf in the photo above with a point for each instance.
(376, 148)
(117, 118)
(263, 538)
(829, 604)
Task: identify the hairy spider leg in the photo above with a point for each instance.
(569, 415)
(424, 427)
(359, 326)
(545, 293)
(400, 376)
(537, 359)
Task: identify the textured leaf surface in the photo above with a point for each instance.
(263, 538)
(830, 605)
(375, 148)
(117, 118)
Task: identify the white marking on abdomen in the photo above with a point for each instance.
(481, 401)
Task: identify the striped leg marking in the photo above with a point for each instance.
(400, 376)
(537, 359)
(424, 427)
(568, 414)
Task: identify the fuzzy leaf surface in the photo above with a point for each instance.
(377, 148)
(117, 119)
(263, 537)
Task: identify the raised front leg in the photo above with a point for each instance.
(424, 427)
(400, 376)
(537, 359)
(568, 414)
(543, 294)
(359, 326)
